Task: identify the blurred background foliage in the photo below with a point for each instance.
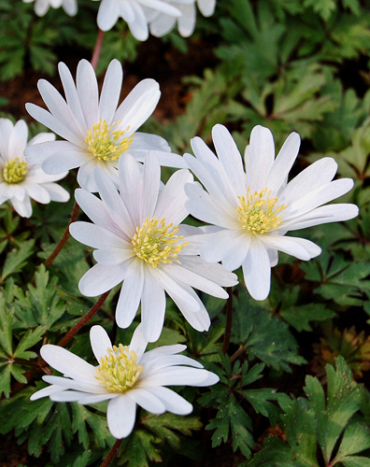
(294, 387)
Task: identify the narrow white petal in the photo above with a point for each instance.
(56, 192)
(186, 22)
(259, 157)
(173, 402)
(207, 7)
(101, 278)
(46, 392)
(194, 280)
(214, 271)
(150, 186)
(236, 252)
(139, 26)
(257, 271)
(230, 158)
(97, 237)
(178, 376)
(87, 89)
(121, 415)
(158, 362)
(204, 207)
(94, 208)
(23, 207)
(217, 244)
(147, 400)
(38, 153)
(290, 245)
(66, 160)
(138, 344)
(284, 161)
(153, 306)
(100, 342)
(113, 256)
(130, 296)
(68, 363)
(171, 202)
(138, 105)
(75, 385)
(131, 189)
(18, 140)
(108, 14)
(38, 193)
(314, 176)
(111, 91)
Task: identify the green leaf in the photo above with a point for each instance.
(6, 318)
(16, 260)
(30, 338)
(356, 438)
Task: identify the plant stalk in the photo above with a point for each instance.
(97, 49)
(65, 237)
(112, 454)
(83, 320)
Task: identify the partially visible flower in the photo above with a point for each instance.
(132, 11)
(140, 241)
(97, 133)
(42, 6)
(20, 180)
(161, 23)
(254, 210)
(125, 376)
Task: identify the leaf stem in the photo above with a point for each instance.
(83, 320)
(112, 453)
(65, 237)
(229, 320)
(97, 49)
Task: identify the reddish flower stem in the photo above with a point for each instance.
(65, 237)
(229, 320)
(97, 49)
(112, 454)
(83, 320)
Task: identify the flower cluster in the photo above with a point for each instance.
(142, 16)
(21, 180)
(137, 230)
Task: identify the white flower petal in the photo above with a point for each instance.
(172, 401)
(138, 105)
(230, 158)
(296, 247)
(121, 415)
(75, 385)
(101, 278)
(177, 376)
(147, 400)
(87, 89)
(68, 364)
(138, 343)
(97, 237)
(111, 91)
(130, 295)
(65, 160)
(257, 270)
(18, 140)
(153, 306)
(150, 186)
(100, 342)
(46, 392)
(108, 14)
(259, 157)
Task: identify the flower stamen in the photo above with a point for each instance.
(15, 171)
(258, 212)
(118, 370)
(154, 242)
(106, 144)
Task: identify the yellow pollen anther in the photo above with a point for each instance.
(118, 370)
(258, 212)
(154, 242)
(15, 171)
(105, 143)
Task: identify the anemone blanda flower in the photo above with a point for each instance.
(140, 241)
(161, 23)
(133, 12)
(97, 133)
(42, 6)
(19, 180)
(253, 210)
(126, 376)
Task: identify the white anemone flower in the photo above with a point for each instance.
(42, 6)
(97, 133)
(133, 12)
(253, 210)
(161, 23)
(125, 376)
(141, 243)
(20, 180)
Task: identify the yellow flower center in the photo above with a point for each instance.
(15, 171)
(155, 241)
(118, 370)
(106, 143)
(259, 213)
